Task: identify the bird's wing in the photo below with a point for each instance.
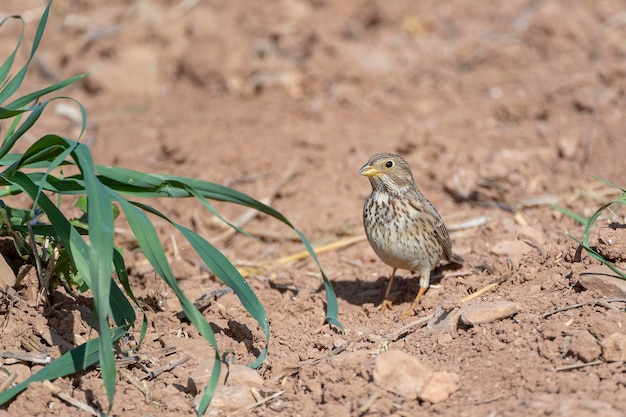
(441, 233)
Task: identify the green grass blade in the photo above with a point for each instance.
(8, 63)
(600, 258)
(592, 220)
(100, 258)
(9, 141)
(224, 270)
(75, 360)
(150, 244)
(122, 276)
(623, 190)
(332, 309)
(577, 217)
(12, 86)
(35, 95)
(7, 114)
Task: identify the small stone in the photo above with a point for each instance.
(7, 276)
(228, 400)
(611, 243)
(584, 346)
(482, 313)
(604, 282)
(567, 146)
(444, 321)
(614, 348)
(401, 373)
(439, 387)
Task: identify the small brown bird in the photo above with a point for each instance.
(403, 227)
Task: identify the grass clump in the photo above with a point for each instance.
(590, 222)
(81, 252)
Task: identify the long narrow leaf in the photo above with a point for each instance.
(600, 258)
(76, 360)
(8, 63)
(9, 142)
(150, 244)
(35, 95)
(12, 86)
(224, 270)
(100, 259)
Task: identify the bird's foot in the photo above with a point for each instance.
(385, 305)
(408, 313)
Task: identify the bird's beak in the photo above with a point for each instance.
(368, 171)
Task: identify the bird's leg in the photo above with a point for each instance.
(386, 304)
(411, 309)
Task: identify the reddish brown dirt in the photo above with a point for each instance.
(501, 108)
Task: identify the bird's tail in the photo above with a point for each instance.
(456, 259)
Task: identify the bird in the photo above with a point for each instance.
(402, 226)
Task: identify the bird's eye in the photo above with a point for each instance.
(389, 164)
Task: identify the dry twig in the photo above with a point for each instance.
(56, 391)
(603, 302)
(396, 334)
(168, 367)
(266, 399)
(577, 366)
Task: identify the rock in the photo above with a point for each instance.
(439, 387)
(482, 313)
(7, 276)
(614, 347)
(605, 283)
(514, 249)
(584, 346)
(403, 374)
(567, 147)
(444, 321)
(227, 401)
(611, 243)
(233, 392)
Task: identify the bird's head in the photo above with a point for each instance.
(388, 171)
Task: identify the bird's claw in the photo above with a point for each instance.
(408, 313)
(385, 305)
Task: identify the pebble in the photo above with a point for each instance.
(228, 400)
(444, 321)
(7, 276)
(614, 348)
(440, 387)
(584, 346)
(403, 374)
(607, 285)
(483, 313)
(567, 147)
